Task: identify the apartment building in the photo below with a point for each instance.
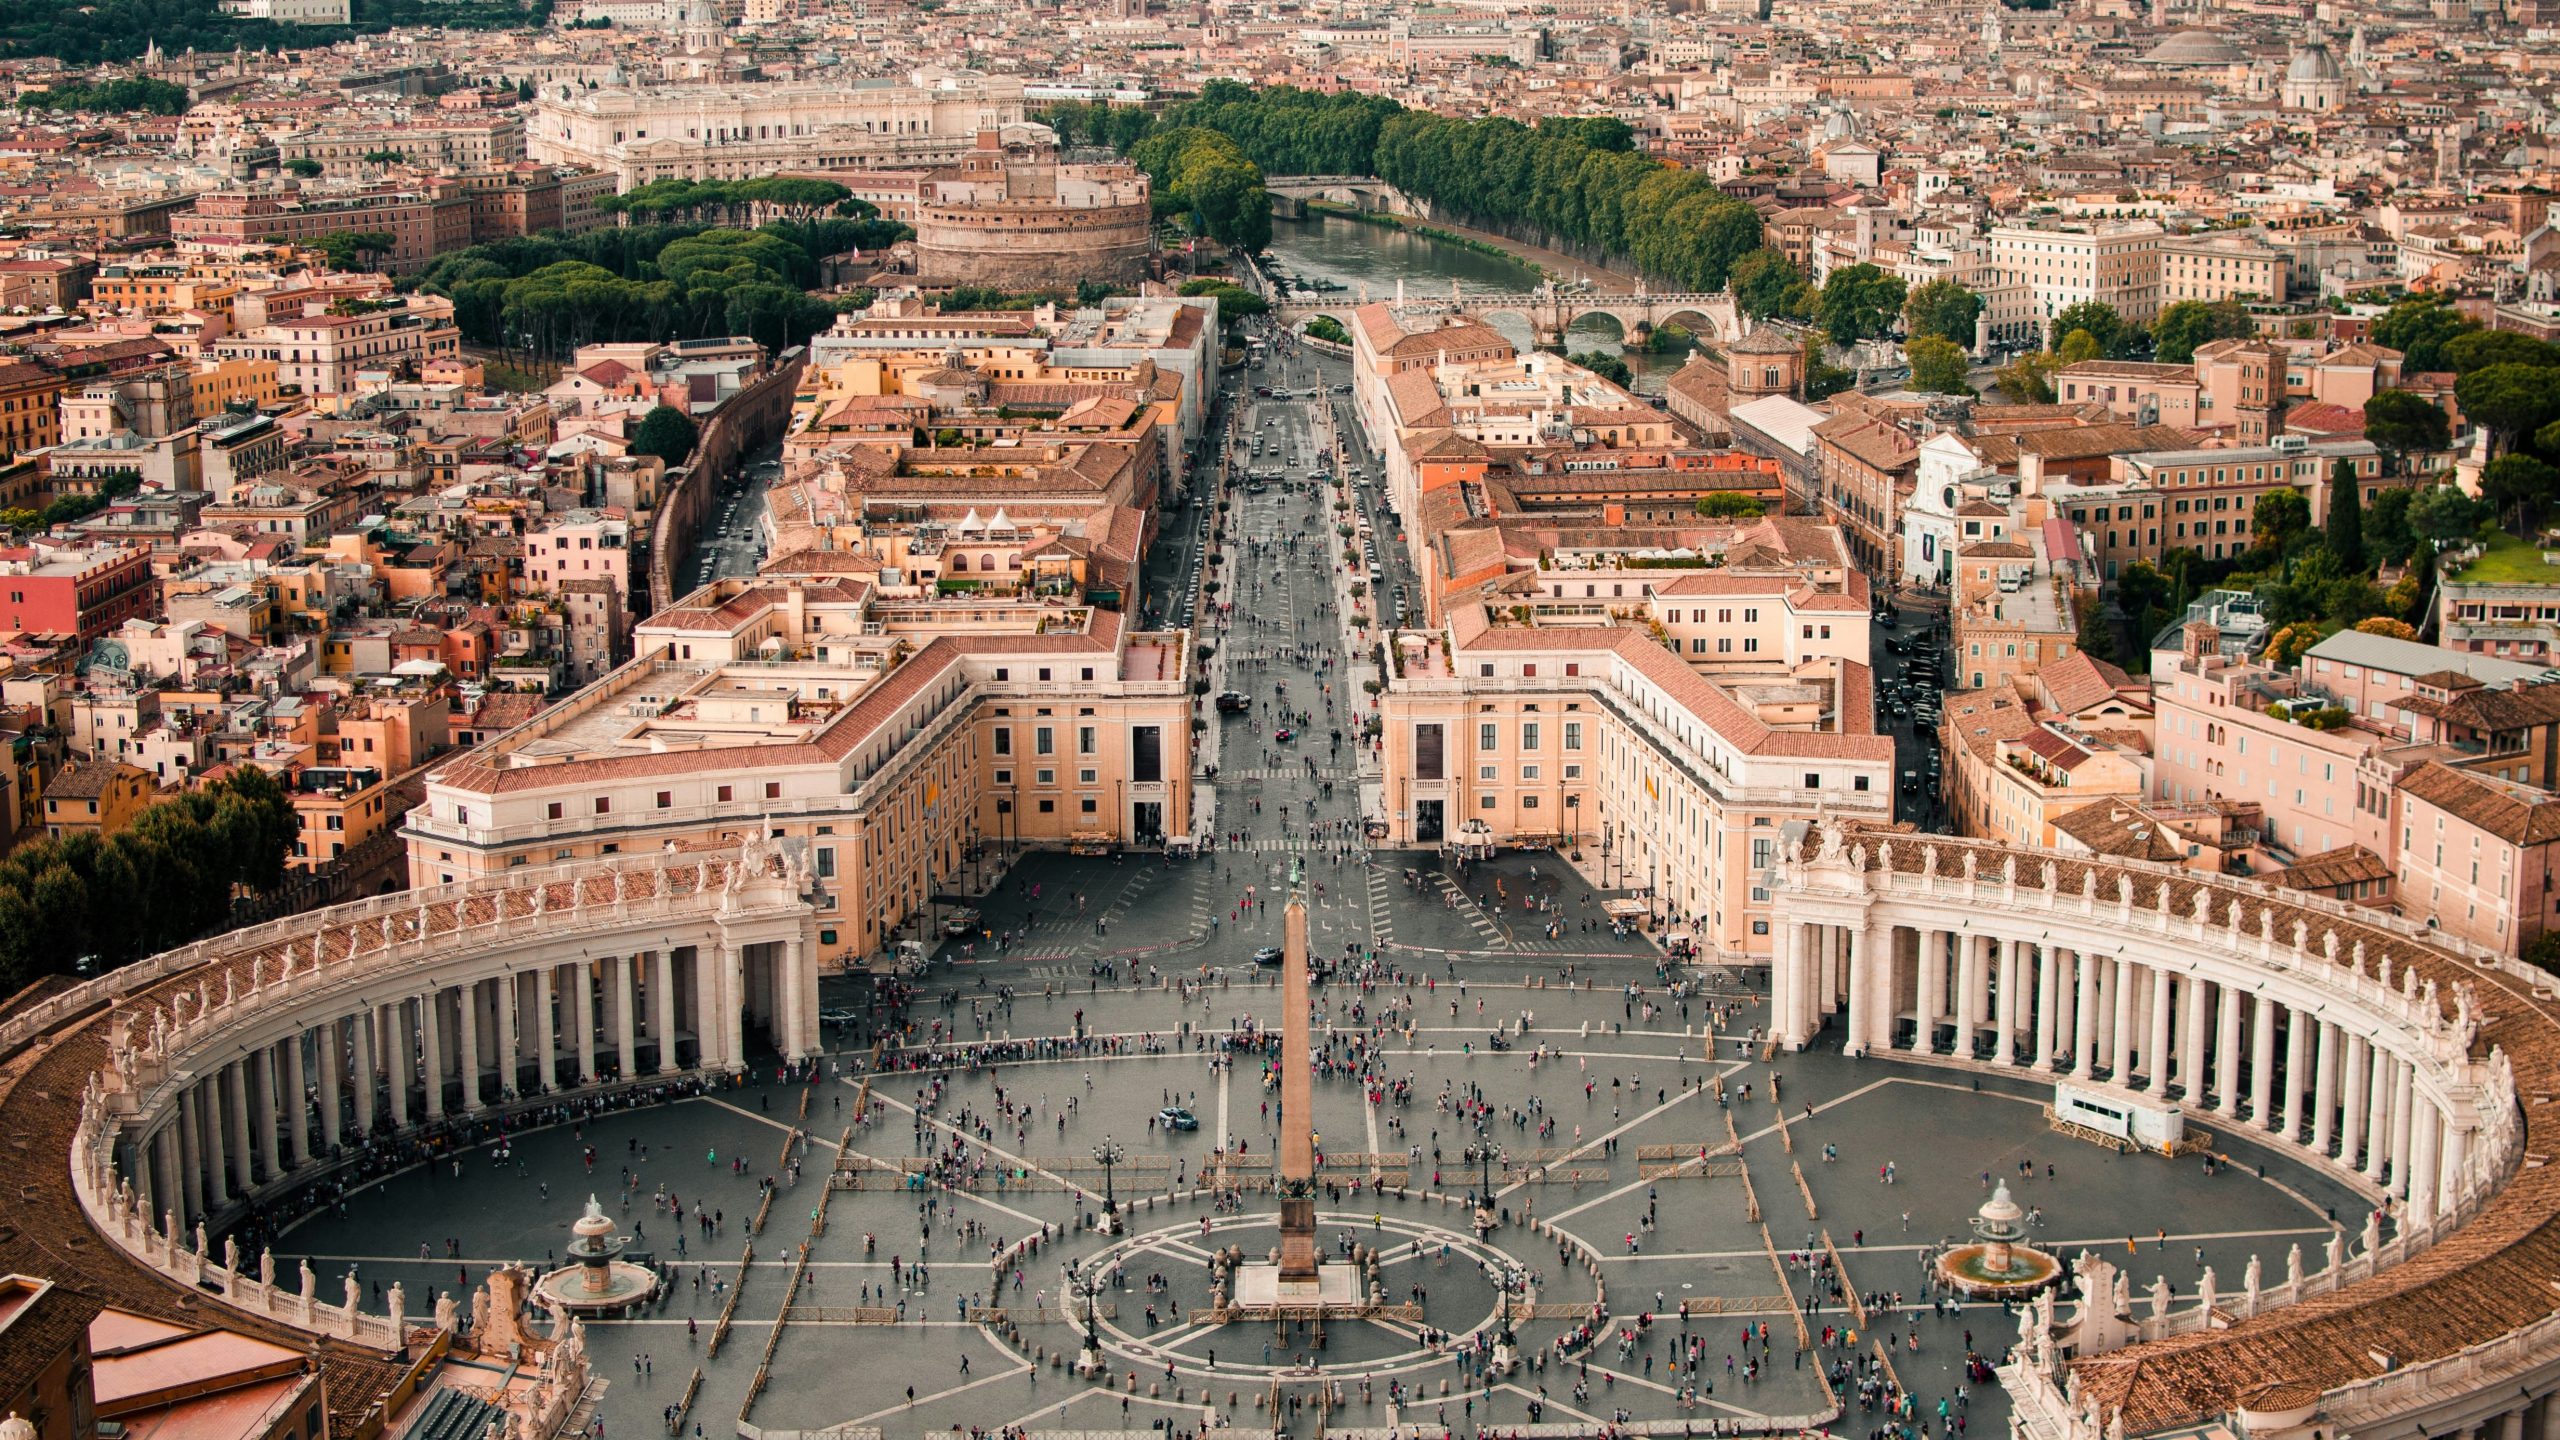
(424, 221)
(2217, 266)
(2200, 500)
(1686, 773)
(890, 737)
(2061, 266)
(334, 354)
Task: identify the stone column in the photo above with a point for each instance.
(2194, 1006)
(168, 1176)
(1969, 986)
(2511, 1425)
(2084, 1024)
(2324, 1092)
(510, 1055)
(791, 1002)
(2355, 1080)
(2226, 1051)
(2457, 1154)
(2377, 1114)
(2425, 1131)
(662, 1006)
(466, 1006)
(583, 1014)
(191, 1153)
(625, 1037)
(706, 1008)
(733, 1004)
(399, 1058)
(546, 1027)
(2155, 1053)
(297, 1101)
(2123, 979)
(2049, 1001)
(2262, 1064)
(261, 1065)
(1784, 943)
(2549, 1426)
(235, 1136)
(1932, 989)
(431, 1027)
(2012, 972)
(2297, 1069)
(333, 1125)
(2404, 1084)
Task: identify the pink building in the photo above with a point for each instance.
(2218, 740)
(580, 545)
(2476, 856)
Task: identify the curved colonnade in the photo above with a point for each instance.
(2403, 1065)
(405, 1011)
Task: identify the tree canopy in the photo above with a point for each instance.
(156, 97)
(1944, 309)
(2185, 324)
(1859, 302)
(2420, 327)
(1938, 366)
(1206, 175)
(2399, 423)
(79, 901)
(667, 433)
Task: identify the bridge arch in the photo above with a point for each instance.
(1598, 325)
(1698, 323)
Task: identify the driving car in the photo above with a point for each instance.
(836, 1017)
(960, 922)
(1267, 955)
(1233, 700)
(1174, 1117)
(1284, 733)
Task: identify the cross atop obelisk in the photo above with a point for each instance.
(1297, 1173)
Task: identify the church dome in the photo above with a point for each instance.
(2193, 47)
(2313, 63)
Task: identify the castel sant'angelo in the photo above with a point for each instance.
(1011, 215)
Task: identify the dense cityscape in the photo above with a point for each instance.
(1948, 613)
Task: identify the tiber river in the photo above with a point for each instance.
(1351, 254)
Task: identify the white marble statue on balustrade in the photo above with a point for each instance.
(1833, 841)
(355, 1293)
(2252, 1282)
(1884, 856)
(2009, 870)
(399, 1299)
(2089, 884)
(2205, 1294)
(2158, 1296)
(2124, 891)
(308, 1283)
(231, 1253)
(2293, 1267)
(1972, 865)
(2371, 1240)
(448, 1314)
(267, 1267)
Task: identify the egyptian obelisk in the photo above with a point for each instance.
(1297, 1106)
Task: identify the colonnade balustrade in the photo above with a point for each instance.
(252, 1072)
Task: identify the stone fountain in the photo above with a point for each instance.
(596, 1281)
(1999, 1264)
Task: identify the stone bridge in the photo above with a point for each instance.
(1549, 312)
(1365, 193)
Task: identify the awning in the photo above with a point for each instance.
(1622, 909)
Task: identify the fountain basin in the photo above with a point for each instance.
(1981, 1271)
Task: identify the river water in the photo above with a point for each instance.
(1353, 255)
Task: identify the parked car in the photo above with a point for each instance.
(1231, 701)
(1267, 955)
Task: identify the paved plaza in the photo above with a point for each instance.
(865, 1326)
(1643, 1165)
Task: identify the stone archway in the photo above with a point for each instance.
(1700, 325)
(1604, 325)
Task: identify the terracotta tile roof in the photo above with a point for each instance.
(2513, 813)
(2346, 865)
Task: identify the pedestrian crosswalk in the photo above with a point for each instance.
(1282, 844)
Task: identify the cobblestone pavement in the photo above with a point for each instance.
(831, 1366)
(894, 1322)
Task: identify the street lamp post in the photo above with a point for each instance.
(1085, 1288)
(1108, 1154)
(1511, 1282)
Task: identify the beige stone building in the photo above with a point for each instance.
(892, 737)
